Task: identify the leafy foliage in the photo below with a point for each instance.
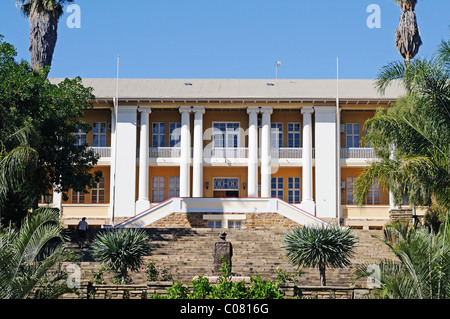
(121, 249)
(30, 256)
(225, 288)
(412, 138)
(37, 146)
(422, 267)
(319, 246)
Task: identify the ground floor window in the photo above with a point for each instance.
(231, 221)
(294, 190)
(158, 183)
(174, 186)
(278, 187)
(78, 197)
(373, 196)
(98, 193)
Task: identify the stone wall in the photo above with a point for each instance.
(147, 291)
(252, 221)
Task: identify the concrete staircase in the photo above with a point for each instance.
(186, 253)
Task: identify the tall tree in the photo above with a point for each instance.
(43, 16)
(407, 35)
(38, 120)
(417, 128)
(320, 246)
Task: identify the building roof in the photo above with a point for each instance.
(240, 89)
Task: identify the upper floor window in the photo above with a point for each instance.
(352, 134)
(159, 134)
(226, 134)
(175, 133)
(294, 135)
(276, 136)
(99, 136)
(80, 136)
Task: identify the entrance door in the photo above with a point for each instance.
(226, 187)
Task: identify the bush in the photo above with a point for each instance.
(201, 288)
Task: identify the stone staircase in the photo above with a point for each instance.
(186, 253)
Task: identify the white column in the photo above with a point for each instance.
(57, 198)
(125, 201)
(143, 202)
(307, 180)
(265, 152)
(185, 152)
(197, 169)
(252, 184)
(112, 174)
(325, 161)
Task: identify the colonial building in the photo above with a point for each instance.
(222, 153)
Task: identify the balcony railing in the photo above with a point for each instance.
(102, 151)
(357, 152)
(242, 152)
(165, 152)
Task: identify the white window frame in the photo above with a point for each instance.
(352, 135)
(293, 189)
(276, 135)
(81, 137)
(158, 191)
(296, 135)
(102, 128)
(175, 134)
(276, 189)
(372, 198)
(349, 198)
(158, 134)
(98, 192)
(174, 186)
(226, 134)
(78, 197)
(224, 219)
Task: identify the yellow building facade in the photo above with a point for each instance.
(292, 147)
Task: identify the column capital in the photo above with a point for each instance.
(266, 110)
(307, 109)
(196, 109)
(253, 109)
(145, 109)
(184, 109)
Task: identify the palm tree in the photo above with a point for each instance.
(121, 249)
(421, 269)
(407, 35)
(30, 256)
(43, 17)
(319, 246)
(417, 128)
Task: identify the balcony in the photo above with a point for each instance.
(357, 153)
(103, 152)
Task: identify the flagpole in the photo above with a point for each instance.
(338, 145)
(116, 107)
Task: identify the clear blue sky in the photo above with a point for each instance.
(228, 38)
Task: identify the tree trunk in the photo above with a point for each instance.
(43, 36)
(323, 281)
(407, 35)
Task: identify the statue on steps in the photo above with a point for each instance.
(223, 251)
